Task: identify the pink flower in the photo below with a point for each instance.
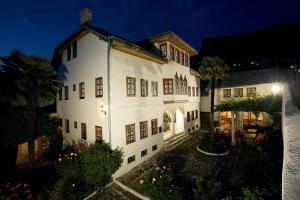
(59, 160)
(141, 181)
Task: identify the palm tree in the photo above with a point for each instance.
(212, 69)
(28, 81)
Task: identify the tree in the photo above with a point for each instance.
(28, 81)
(212, 69)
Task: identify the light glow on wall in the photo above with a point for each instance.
(275, 89)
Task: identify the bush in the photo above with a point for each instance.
(93, 166)
(15, 191)
(159, 184)
(218, 145)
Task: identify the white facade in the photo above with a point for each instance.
(115, 109)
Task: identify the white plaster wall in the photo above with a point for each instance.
(90, 63)
(291, 138)
(128, 110)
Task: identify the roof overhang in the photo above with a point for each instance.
(136, 50)
(195, 73)
(174, 39)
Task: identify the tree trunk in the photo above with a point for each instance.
(212, 105)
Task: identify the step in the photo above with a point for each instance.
(173, 144)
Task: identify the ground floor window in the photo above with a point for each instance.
(154, 147)
(144, 152)
(131, 159)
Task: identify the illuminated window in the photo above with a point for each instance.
(238, 92)
(168, 86)
(251, 91)
(227, 93)
(98, 133)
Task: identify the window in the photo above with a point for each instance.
(160, 129)
(60, 122)
(193, 91)
(74, 48)
(67, 126)
(60, 94)
(144, 88)
(177, 84)
(238, 92)
(154, 147)
(168, 86)
(196, 114)
(66, 92)
(144, 152)
(189, 91)
(143, 129)
(74, 87)
(83, 131)
(98, 133)
(177, 56)
(204, 91)
(130, 133)
(188, 116)
(182, 58)
(75, 124)
(163, 49)
(189, 130)
(130, 82)
(192, 115)
(154, 88)
(251, 92)
(197, 91)
(131, 159)
(186, 60)
(99, 87)
(227, 93)
(69, 53)
(154, 126)
(81, 90)
(172, 52)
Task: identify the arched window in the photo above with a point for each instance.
(181, 85)
(177, 90)
(185, 85)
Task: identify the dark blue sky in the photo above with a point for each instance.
(38, 26)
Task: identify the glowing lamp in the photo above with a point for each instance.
(275, 89)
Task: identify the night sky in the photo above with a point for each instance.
(38, 26)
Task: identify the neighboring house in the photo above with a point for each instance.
(239, 85)
(132, 95)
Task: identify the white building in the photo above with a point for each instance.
(241, 85)
(131, 95)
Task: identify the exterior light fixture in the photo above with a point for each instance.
(292, 66)
(275, 89)
(103, 110)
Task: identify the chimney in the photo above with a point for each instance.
(85, 16)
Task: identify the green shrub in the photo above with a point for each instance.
(218, 145)
(93, 166)
(159, 184)
(254, 193)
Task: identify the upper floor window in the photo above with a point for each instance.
(186, 60)
(81, 90)
(154, 88)
(154, 126)
(177, 56)
(188, 118)
(60, 94)
(163, 49)
(189, 91)
(99, 87)
(144, 88)
(130, 83)
(74, 87)
(193, 91)
(238, 92)
(98, 133)
(196, 114)
(69, 53)
(182, 58)
(66, 92)
(83, 131)
(227, 93)
(130, 133)
(143, 129)
(168, 86)
(192, 115)
(74, 49)
(75, 124)
(172, 52)
(197, 91)
(251, 91)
